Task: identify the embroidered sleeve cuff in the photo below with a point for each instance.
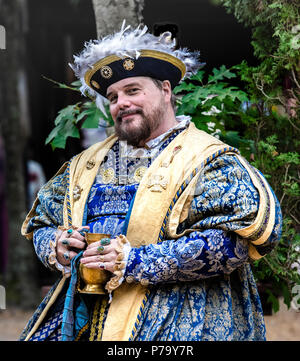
(120, 265)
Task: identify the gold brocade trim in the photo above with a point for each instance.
(138, 319)
(253, 253)
(101, 318)
(143, 53)
(153, 199)
(180, 210)
(123, 312)
(94, 320)
(77, 168)
(84, 328)
(98, 319)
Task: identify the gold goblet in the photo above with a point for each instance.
(94, 279)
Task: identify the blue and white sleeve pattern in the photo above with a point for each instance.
(225, 200)
(198, 256)
(42, 237)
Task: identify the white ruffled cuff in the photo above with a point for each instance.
(120, 264)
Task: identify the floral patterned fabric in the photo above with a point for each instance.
(202, 283)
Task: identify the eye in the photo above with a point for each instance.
(112, 99)
(133, 90)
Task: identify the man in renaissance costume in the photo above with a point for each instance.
(185, 213)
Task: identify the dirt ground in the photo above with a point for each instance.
(282, 326)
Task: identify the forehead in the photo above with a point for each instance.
(122, 84)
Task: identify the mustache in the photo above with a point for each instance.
(128, 112)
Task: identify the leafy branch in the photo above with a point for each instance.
(71, 119)
(213, 102)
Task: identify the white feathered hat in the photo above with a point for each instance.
(130, 53)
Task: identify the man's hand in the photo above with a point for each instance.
(69, 243)
(98, 256)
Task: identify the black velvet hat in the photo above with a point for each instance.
(150, 63)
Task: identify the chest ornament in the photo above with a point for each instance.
(157, 183)
(90, 164)
(77, 192)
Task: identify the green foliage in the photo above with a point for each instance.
(74, 117)
(276, 41)
(272, 121)
(281, 170)
(276, 270)
(212, 102)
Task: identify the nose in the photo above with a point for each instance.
(123, 102)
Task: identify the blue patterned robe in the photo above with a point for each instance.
(201, 286)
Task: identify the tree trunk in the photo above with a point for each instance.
(110, 14)
(19, 279)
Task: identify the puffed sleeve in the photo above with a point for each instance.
(45, 217)
(225, 205)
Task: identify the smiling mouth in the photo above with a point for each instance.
(127, 115)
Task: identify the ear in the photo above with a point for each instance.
(167, 90)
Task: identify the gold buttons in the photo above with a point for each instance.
(128, 64)
(106, 72)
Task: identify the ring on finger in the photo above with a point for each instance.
(101, 258)
(65, 242)
(105, 241)
(102, 265)
(100, 249)
(83, 232)
(66, 256)
(69, 232)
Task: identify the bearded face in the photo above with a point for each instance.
(136, 132)
(138, 109)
